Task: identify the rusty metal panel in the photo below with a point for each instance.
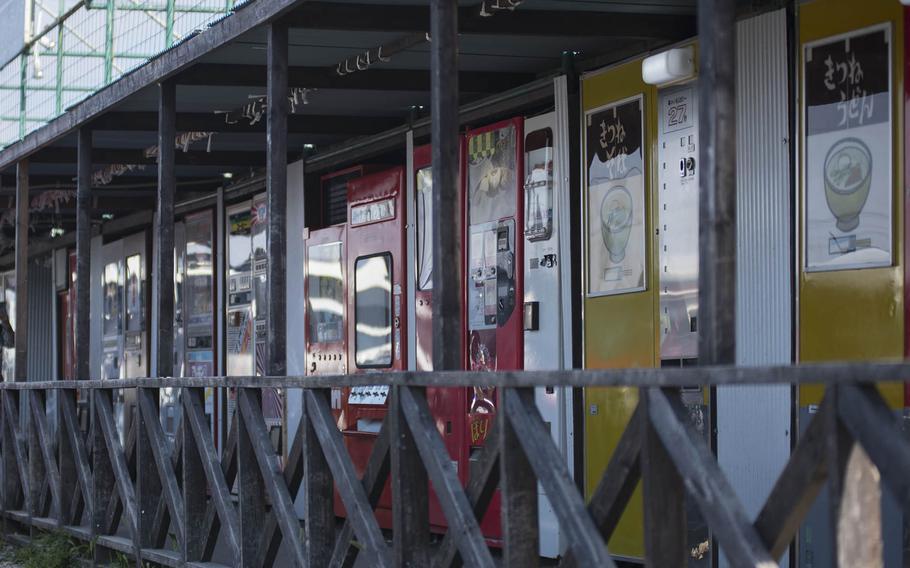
(754, 421)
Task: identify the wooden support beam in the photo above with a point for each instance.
(797, 487)
(276, 181)
(69, 425)
(15, 474)
(350, 488)
(345, 125)
(869, 420)
(520, 22)
(47, 476)
(246, 75)
(113, 451)
(318, 485)
(482, 485)
(280, 497)
(20, 372)
(706, 483)
(293, 476)
(447, 207)
(518, 483)
(374, 481)
(410, 490)
(161, 461)
(194, 487)
(452, 499)
(664, 498)
(83, 254)
(219, 474)
(614, 491)
(855, 494)
(717, 192)
(64, 155)
(251, 489)
(553, 473)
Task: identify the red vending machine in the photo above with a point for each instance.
(376, 279)
(493, 275)
(446, 404)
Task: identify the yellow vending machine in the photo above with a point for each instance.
(851, 212)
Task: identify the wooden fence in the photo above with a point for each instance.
(87, 484)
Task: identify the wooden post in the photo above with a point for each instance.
(855, 497)
(664, 498)
(410, 491)
(317, 490)
(22, 220)
(519, 494)
(447, 207)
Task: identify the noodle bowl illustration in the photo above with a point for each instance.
(616, 221)
(848, 177)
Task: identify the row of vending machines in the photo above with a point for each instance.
(599, 273)
(369, 292)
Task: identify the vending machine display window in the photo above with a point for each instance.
(325, 296)
(539, 185)
(113, 299)
(425, 228)
(373, 311)
(135, 306)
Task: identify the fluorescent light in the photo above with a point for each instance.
(672, 66)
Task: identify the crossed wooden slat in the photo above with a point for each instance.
(659, 446)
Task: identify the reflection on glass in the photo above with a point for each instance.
(113, 299)
(325, 292)
(373, 311)
(239, 321)
(135, 305)
(199, 265)
(492, 175)
(425, 228)
(539, 184)
(239, 229)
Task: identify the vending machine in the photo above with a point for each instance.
(677, 206)
(376, 298)
(124, 332)
(326, 305)
(494, 275)
(546, 308)
(446, 404)
(194, 313)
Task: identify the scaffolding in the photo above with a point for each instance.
(73, 48)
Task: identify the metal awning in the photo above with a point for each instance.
(348, 93)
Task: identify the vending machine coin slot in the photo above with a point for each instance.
(505, 270)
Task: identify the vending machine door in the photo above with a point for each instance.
(494, 276)
(377, 326)
(324, 285)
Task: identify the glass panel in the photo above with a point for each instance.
(179, 291)
(199, 286)
(113, 299)
(492, 175)
(373, 311)
(325, 293)
(425, 228)
(260, 284)
(239, 322)
(135, 294)
(539, 184)
(371, 212)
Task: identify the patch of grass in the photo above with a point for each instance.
(50, 550)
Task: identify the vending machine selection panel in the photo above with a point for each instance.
(677, 190)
